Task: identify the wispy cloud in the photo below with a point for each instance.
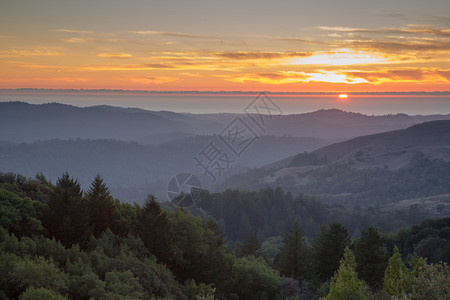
(153, 79)
(403, 75)
(74, 31)
(39, 66)
(76, 40)
(409, 38)
(403, 45)
(142, 67)
(267, 77)
(189, 74)
(341, 29)
(116, 55)
(299, 40)
(238, 55)
(349, 77)
(286, 77)
(29, 52)
(414, 75)
(68, 79)
(44, 79)
(171, 34)
(341, 57)
(408, 29)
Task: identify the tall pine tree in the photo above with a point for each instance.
(67, 216)
(152, 227)
(251, 246)
(101, 206)
(328, 250)
(293, 259)
(396, 276)
(371, 257)
(345, 284)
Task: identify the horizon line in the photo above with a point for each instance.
(434, 93)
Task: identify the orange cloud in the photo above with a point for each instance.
(268, 77)
(404, 45)
(54, 79)
(68, 79)
(341, 29)
(115, 55)
(410, 38)
(76, 40)
(341, 58)
(260, 55)
(34, 52)
(408, 29)
(189, 74)
(171, 34)
(142, 67)
(347, 77)
(153, 79)
(378, 58)
(402, 75)
(292, 77)
(37, 66)
(74, 31)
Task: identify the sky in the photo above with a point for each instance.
(215, 45)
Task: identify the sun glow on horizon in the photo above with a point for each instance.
(343, 96)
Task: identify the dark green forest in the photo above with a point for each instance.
(270, 212)
(341, 183)
(60, 242)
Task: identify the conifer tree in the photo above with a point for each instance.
(396, 276)
(101, 206)
(345, 283)
(152, 227)
(328, 250)
(67, 217)
(251, 246)
(371, 258)
(293, 259)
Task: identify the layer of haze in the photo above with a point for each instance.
(370, 105)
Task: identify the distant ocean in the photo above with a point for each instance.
(201, 103)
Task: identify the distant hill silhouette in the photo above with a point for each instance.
(23, 122)
(131, 169)
(138, 150)
(393, 148)
(379, 167)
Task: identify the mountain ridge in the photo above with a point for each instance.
(364, 168)
(24, 122)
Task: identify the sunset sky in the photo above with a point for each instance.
(311, 46)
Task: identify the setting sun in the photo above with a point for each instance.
(343, 96)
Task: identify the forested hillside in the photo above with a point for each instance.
(24, 122)
(270, 212)
(368, 170)
(60, 242)
(131, 169)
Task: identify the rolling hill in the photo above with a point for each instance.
(367, 169)
(137, 150)
(23, 122)
(132, 169)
